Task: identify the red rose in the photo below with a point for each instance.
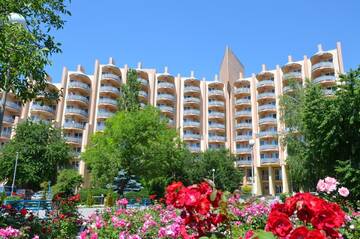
(23, 211)
(299, 233)
(315, 234)
(324, 218)
(192, 197)
(205, 189)
(203, 206)
(152, 197)
(279, 224)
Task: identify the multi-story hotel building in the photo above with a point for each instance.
(232, 111)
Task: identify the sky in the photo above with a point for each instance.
(188, 35)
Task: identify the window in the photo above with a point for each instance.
(278, 175)
(265, 175)
(278, 189)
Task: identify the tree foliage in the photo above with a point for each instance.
(129, 100)
(226, 176)
(139, 142)
(41, 150)
(323, 134)
(68, 181)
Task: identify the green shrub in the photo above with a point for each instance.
(283, 196)
(246, 189)
(13, 198)
(2, 198)
(144, 193)
(94, 191)
(90, 200)
(110, 199)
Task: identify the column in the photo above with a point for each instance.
(271, 181)
(284, 178)
(258, 188)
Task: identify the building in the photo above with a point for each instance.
(233, 111)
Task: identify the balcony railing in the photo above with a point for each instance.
(107, 101)
(190, 136)
(75, 125)
(143, 81)
(242, 101)
(13, 105)
(217, 114)
(287, 89)
(166, 85)
(268, 120)
(328, 92)
(78, 98)
(194, 148)
(268, 133)
(217, 138)
(77, 111)
(266, 107)
(243, 162)
(242, 90)
(192, 112)
(191, 89)
(191, 100)
(269, 160)
(243, 125)
(5, 134)
(192, 123)
(166, 108)
(243, 137)
(105, 114)
(78, 84)
(45, 108)
(111, 76)
(165, 97)
(73, 139)
(143, 94)
(269, 147)
(8, 119)
(292, 75)
(109, 89)
(216, 103)
(243, 150)
(266, 95)
(100, 127)
(216, 92)
(322, 65)
(265, 83)
(324, 78)
(216, 126)
(243, 113)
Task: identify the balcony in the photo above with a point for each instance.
(80, 98)
(166, 85)
(77, 111)
(267, 107)
(268, 120)
(322, 65)
(191, 124)
(266, 95)
(268, 133)
(216, 114)
(191, 112)
(242, 90)
(5, 134)
(245, 150)
(243, 102)
(243, 126)
(241, 113)
(109, 89)
(216, 126)
(270, 147)
(143, 94)
(288, 89)
(328, 92)
(190, 136)
(216, 92)
(216, 103)
(264, 83)
(104, 114)
(110, 76)
(13, 106)
(73, 139)
(167, 109)
(100, 127)
(292, 75)
(8, 119)
(191, 89)
(164, 96)
(192, 100)
(269, 160)
(217, 138)
(107, 101)
(43, 108)
(325, 79)
(194, 149)
(143, 81)
(79, 85)
(244, 162)
(243, 137)
(73, 125)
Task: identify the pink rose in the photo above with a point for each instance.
(321, 186)
(343, 191)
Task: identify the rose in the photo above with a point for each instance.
(343, 191)
(321, 186)
(279, 224)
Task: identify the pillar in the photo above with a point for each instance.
(285, 182)
(271, 181)
(258, 188)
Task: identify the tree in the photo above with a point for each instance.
(129, 100)
(68, 181)
(226, 176)
(41, 149)
(25, 50)
(139, 142)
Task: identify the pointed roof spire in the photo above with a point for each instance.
(230, 66)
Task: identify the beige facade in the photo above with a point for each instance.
(228, 111)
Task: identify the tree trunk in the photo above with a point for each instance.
(3, 101)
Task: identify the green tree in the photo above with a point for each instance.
(41, 151)
(226, 176)
(68, 181)
(25, 50)
(139, 142)
(129, 100)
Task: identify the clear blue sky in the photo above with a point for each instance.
(192, 34)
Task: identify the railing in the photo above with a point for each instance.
(73, 139)
(192, 112)
(107, 101)
(75, 125)
(267, 107)
(109, 89)
(216, 126)
(243, 150)
(216, 103)
(322, 65)
(244, 162)
(287, 89)
(192, 136)
(77, 111)
(5, 134)
(265, 83)
(267, 120)
(191, 89)
(194, 148)
(192, 123)
(328, 92)
(243, 137)
(269, 147)
(166, 85)
(268, 133)
(31, 205)
(242, 101)
(77, 84)
(216, 114)
(216, 92)
(111, 76)
(100, 127)
(143, 81)
(105, 114)
(43, 108)
(166, 108)
(8, 119)
(191, 99)
(242, 90)
(165, 97)
(243, 125)
(243, 113)
(13, 105)
(266, 95)
(324, 78)
(217, 138)
(292, 75)
(78, 97)
(143, 94)
(269, 160)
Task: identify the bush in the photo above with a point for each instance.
(90, 200)
(144, 193)
(96, 192)
(246, 189)
(110, 199)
